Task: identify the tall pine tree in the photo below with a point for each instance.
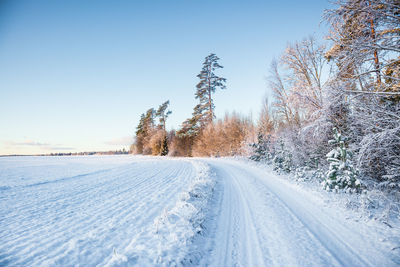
(203, 112)
(209, 83)
(163, 114)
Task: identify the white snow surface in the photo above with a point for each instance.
(156, 211)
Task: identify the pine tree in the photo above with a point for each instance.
(262, 149)
(203, 112)
(139, 135)
(209, 83)
(282, 160)
(144, 129)
(341, 173)
(163, 114)
(148, 121)
(190, 129)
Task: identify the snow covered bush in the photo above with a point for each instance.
(262, 150)
(282, 160)
(379, 140)
(380, 205)
(302, 174)
(341, 173)
(305, 173)
(319, 174)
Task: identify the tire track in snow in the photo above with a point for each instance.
(239, 242)
(261, 221)
(225, 249)
(281, 228)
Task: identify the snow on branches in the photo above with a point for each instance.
(341, 173)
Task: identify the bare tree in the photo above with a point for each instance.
(305, 61)
(282, 104)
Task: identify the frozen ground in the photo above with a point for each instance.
(145, 211)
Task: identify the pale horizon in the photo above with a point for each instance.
(76, 76)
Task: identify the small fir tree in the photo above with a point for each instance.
(164, 146)
(262, 149)
(341, 173)
(282, 160)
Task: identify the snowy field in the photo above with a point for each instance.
(149, 211)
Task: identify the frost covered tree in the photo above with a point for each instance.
(378, 140)
(341, 173)
(282, 104)
(299, 93)
(262, 148)
(366, 37)
(209, 83)
(366, 41)
(283, 159)
(305, 62)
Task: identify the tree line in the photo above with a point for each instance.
(199, 135)
(334, 108)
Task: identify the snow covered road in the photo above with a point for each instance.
(145, 211)
(266, 222)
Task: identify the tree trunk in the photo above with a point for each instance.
(209, 96)
(376, 58)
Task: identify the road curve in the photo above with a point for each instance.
(264, 222)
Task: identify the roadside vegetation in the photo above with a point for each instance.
(334, 114)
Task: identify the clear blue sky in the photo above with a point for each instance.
(76, 75)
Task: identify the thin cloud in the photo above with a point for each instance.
(31, 143)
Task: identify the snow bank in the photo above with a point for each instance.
(166, 242)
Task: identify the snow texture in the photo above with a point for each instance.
(155, 211)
